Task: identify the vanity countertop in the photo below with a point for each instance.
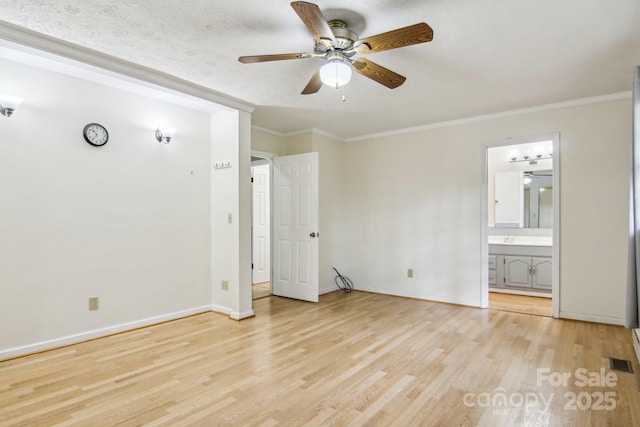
(521, 240)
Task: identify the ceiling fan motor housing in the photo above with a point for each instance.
(345, 39)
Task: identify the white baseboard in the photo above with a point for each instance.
(591, 318)
(434, 298)
(232, 314)
(220, 309)
(239, 316)
(98, 333)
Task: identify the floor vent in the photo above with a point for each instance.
(620, 365)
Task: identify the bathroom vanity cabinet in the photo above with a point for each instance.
(526, 268)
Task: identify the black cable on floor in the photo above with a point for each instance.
(343, 283)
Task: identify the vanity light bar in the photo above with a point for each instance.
(531, 160)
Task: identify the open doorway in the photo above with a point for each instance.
(260, 227)
(522, 220)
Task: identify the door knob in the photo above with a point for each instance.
(313, 234)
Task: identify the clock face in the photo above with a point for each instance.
(95, 134)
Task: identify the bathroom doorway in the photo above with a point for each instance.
(521, 213)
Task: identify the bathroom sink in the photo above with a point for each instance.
(521, 240)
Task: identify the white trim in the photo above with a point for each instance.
(425, 297)
(220, 309)
(239, 316)
(315, 131)
(99, 333)
(557, 224)
(298, 132)
(484, 230)
(591, 318)
(48, 48)
(263, 154)
(57, 64)
(269, 131)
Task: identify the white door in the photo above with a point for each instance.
(295, 227)
(261, 210)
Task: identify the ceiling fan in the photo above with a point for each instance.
(337, 44)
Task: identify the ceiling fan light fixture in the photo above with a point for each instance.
(335, 73)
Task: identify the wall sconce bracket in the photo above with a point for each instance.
(165, 135)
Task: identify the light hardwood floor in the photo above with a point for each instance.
(260, 290)
(353, 359)
(539, 306)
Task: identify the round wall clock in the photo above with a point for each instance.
(95, 134)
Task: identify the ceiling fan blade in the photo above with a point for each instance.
(315, 21)
(278, 57)
(314, 84)
(407, 36)
(378, 73)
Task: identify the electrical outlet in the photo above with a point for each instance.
(410, 273)
(225, 285)
(94, 303)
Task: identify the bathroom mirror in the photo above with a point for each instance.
(538, 200)
(524, 199)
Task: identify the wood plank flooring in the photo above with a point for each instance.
(353, 359)
(539, 306)
(260, 290)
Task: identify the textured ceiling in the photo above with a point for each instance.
(487, 56)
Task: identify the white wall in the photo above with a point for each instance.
(268, 142)
(331, 181)
(298, 144)
(413, 200)
(128, 222)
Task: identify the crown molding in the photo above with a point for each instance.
(299, 132)
(269, 131)
(31, 42)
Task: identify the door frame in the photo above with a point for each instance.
(484, 240)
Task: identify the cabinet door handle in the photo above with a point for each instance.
(533, 270)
